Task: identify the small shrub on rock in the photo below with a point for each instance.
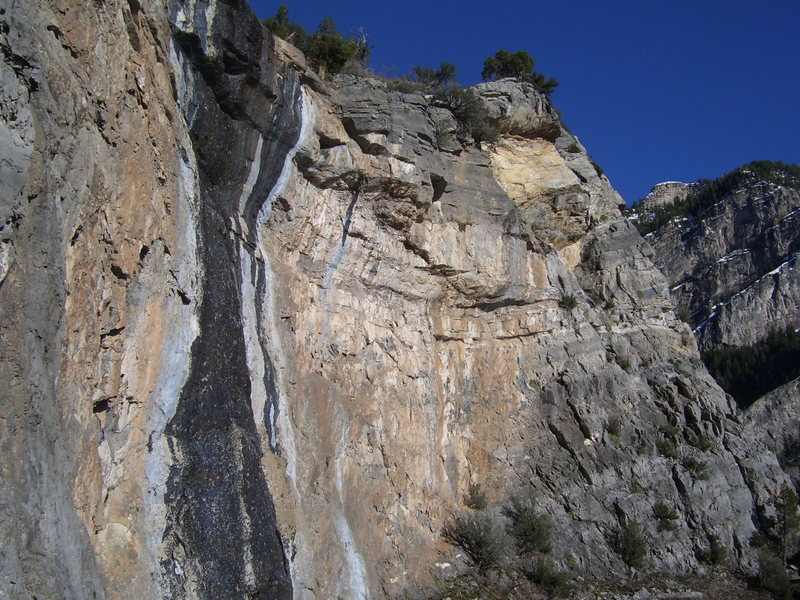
(520, 66)
(356, 67)
(700, 441)
(431, 78)
(772, 576)
(788, 515)
(716, 554)
(630, 544)
(555, 583)
(667, 517)
(595, 296)
(636, 487)
(469, 112)
(404, 86)
(481, 535)
(568, 302)
(697, 468)
(531, 530)
(623, 362)
(475, 498)
(667, 448)
(614, 428)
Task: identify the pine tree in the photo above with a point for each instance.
(520, 66)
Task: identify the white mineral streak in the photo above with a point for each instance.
(252, 177)
(188, 19)
(356, 579)
(247, 527)
(307, 115)
(284, 433)
(283, 429)
(331, 271)
(184, 84)
(355, 562)
(254, 351)
(176, 350)
(210, 13)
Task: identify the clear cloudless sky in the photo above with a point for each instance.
(656, 90)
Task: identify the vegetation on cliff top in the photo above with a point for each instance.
(519, 66)
(706, 193)
(328, 51)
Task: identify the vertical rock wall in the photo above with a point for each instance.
(261, 332)
(99, 214)
(133, 463)
(454, 316)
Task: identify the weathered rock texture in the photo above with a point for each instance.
(261, 333)
(666, 193)
(775, 420)
(734, 266)
(733, 269)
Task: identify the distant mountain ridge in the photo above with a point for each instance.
(724, 243)
(729, 250)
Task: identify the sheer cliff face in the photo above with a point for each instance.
(107, 307)
(733, 267)
(99, 294)
(260, 333)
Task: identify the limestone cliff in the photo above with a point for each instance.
(732, 268)
(261, 332)
(774, 419)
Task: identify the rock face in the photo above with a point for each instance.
(775, 420)
(262, 332)
(665, 193)
(733, 268)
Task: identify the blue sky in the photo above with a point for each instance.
(655, 90)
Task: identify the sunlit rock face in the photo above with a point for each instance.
(733, 267)
(733, 270)
(261, 332)
(774, 419)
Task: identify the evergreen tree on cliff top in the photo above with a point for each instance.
(282, 26)
(326, 49)
(520, 66)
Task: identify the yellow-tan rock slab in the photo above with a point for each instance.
(530, 170)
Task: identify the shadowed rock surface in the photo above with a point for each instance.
(261, 332)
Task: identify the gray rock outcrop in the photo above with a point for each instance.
(775, 420)
(261, 332)
(733, 270)
(665, 193)
(733, 267)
